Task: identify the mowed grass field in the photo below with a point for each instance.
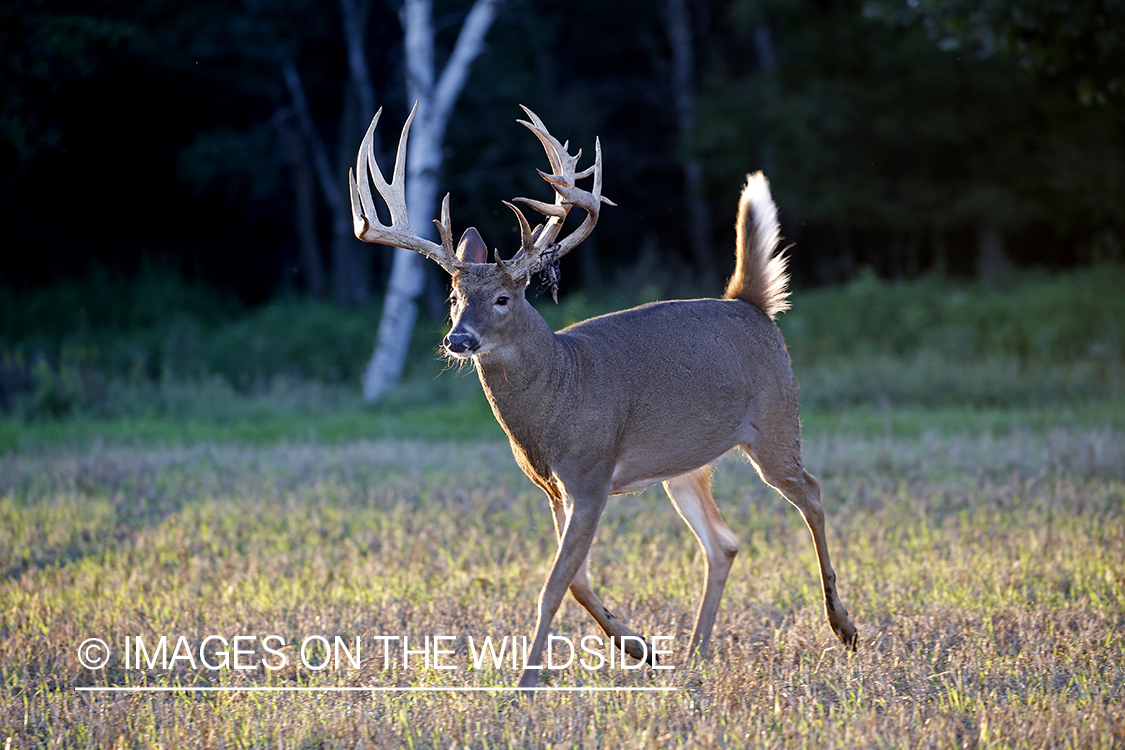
(215, 490)
(985, 571)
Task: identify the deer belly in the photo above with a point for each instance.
(634, 475)
(683, 444)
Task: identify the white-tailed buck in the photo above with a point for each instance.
(623, 401)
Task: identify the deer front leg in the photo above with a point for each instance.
(582, 515)
(616, 631)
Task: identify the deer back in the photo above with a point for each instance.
(637, 396)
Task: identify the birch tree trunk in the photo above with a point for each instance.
(435, 97)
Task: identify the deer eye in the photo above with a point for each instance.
(453, 300)
(501, 301)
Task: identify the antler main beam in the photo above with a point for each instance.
(564, 166)
(365, 219)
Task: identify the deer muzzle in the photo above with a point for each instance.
(461, 343)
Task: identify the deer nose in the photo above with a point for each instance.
(459, 343)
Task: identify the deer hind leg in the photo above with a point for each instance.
(691, 496)
(781, 468)
(584, 594)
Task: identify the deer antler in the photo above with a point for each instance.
(537, 246)
(399, 234)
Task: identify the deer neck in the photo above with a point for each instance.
(528, 363)
(524, 379)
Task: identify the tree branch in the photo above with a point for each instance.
(355, 41)
(470, 43)
(333, 194)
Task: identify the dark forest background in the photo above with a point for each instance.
(900, 138)
(911, 139)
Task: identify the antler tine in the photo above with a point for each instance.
(395, 199)
(589, 201)
(527, 239)
(445, 231)
(363, 205)
(365, 219)
(555, 150)
(554, 210)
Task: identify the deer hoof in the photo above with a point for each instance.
(847, 634)
(638, 651)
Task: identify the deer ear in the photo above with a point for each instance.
(471, 248)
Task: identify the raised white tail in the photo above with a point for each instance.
(759, 273)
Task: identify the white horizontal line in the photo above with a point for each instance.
(371, 689)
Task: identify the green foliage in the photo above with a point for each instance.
(110, 346)
(104, 302)
(1081, 42)
(303, 338)
(45, 48)
(1053, 318)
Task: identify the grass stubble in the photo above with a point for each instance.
(986, 574)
